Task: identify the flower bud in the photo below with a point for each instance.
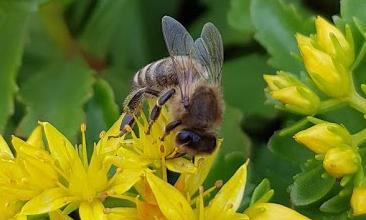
(341, 161)
(333, 42)
(332, 79)
(322, 137)
(358, 200)
(292, 93)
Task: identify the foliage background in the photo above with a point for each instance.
(70, 61)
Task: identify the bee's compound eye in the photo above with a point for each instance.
(187, 137)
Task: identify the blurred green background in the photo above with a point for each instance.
(71, 61)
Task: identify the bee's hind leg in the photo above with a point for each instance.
(155, 112)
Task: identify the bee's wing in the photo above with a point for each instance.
(182, 50)
(210, 52)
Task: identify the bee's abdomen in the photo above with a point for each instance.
(157, 75)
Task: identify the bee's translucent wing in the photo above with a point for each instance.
(210, 52)
(181, 48)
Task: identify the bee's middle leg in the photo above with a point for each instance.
(131, 104)
(155, 112)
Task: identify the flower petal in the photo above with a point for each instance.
(124, 180)
(181, 165)
(4, 148)
(92, 211)
(229, 197)
(189, 183)
(107, 144)
(123, 213)
(36, 137)
(58, 215)
(148, 211)
(272, 211)
(61, 149)
(47, 201)
(171, 202)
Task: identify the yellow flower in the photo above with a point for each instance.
(175, 202)
(333, 42)
(80, 183)
(341, 161)
(331, 78)
(324, 136)
(292, 93)
(148, 150)
(9, 209)
(358, 201)
(271, 211)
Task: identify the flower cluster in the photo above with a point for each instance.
(329, 60)
(47, 175)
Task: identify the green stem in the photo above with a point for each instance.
(359, 57)
(359, 138)
(293, 128)
(329, 105)
(358, 102)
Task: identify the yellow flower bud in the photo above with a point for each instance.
(338, 47)
(280, 80)
(358, 200)
(272, 211)
(341, 161)
(324, 136)
(292, 93)
(330, 78)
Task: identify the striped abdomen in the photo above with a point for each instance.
(157, 75)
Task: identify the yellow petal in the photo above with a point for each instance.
(171, 202)
(36, 137)
(61, 149)
(123, 181)
(92, 211)
(47, 201)
(148, 211)
(228, 199)
(358, 201)
(271, 211)
(58, 215)
(4, 148)
(189, 183)
(107, 144)
(123, 213)
(181, 165)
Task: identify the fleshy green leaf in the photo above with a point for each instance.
(311, 186)
(239, 16)
(276, 25)
(57, 94)
(336, 204)
(13, 25)
(262, 191)
(101, 110)
(243, 78)
(217, 14)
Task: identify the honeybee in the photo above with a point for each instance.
(188, 82)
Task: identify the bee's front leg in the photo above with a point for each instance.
(155, 112)
(169, 127)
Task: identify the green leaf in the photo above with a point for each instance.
(243, 84)
(276, 25)
(336, 204)
(101, 110)
(311, 186)
(217, 14)
(233, 152)
(239, 16)
(266, 164)
(262, 191)
(288, 148)
(13, 25)
(56, 94)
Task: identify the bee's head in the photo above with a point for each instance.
(196, 142)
